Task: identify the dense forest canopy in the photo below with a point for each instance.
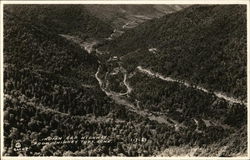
(53, 87)
(205, 45)
(63, 19)
(44, 71)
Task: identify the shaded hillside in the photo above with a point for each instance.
(31, 46)
(132, 15)
(63, 19)
(204, 45)
(209, 126)
(49, 71)
(51, 90)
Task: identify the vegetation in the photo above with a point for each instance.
(204, 45)
(120, 15)
(182, 103)
(50, 90)
(117, 83)
(43, 70)
(63, 19)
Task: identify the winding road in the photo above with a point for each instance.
(117, 97)
(170, 79)
(154, 116)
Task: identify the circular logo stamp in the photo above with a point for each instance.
(18, 145)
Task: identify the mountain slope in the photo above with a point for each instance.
(63, 19)
(197, 55)
(130, 15)
(50, 91)
(204, 45)
(49, 87)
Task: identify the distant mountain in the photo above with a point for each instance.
(169, 8)
(63, 19)
(204, 45)
(122, 16)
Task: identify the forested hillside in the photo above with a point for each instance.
(204, 45)
(58, 85)
(50, 91)
(119, 15)
(63, 19)
(45, 76)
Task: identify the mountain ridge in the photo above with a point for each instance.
(64, 19)
(201, 44)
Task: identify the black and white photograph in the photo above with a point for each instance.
(124, 79)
